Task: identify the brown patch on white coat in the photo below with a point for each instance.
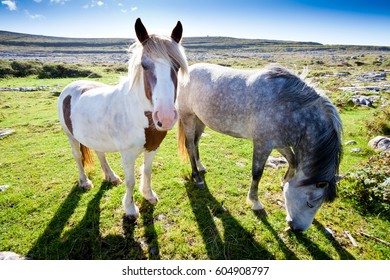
(67, 109)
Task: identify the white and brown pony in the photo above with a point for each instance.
(131, 117)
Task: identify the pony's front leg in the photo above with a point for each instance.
(146, 183)
(128, 162)
(260, 155)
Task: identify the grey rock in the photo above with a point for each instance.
(381, 143)
(6, 133)
(3, 188)
(10, 256)
(350, 142)
(356, 150)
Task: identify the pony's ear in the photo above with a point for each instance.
(140, 30)
(177, 32)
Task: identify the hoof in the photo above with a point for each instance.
(116, 181)
(132, 217)
(256, 205)
(86, 185)
(149, 195)
(152, 200)
(132, 213)
(261, 212)
(201, 185)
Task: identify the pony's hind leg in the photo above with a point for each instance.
(292, 164)
(146, 182)
(199, 128)
(84, 182)
(260, 154)
(190, 143)
(128, 162)
(109, 174)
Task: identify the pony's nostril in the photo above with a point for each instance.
(159, 124)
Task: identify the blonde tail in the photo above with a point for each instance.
(86, 158)
(181, 138)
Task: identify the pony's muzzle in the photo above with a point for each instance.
(165, 120)
(294, 228)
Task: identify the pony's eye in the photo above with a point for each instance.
(322, 185)
(144, 66)
(309, 205)
(176, 66)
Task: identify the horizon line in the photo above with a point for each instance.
(200, 36)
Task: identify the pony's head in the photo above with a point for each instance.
(160, 63)
(303, 201)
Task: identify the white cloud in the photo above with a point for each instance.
(11, 5)
(36, 16)
(38, 1)
(93, 4)
(134, 9)
(58, 1)
(124, 11)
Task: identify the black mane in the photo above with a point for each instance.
(323, 166)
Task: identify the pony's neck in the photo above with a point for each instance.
(134, 90)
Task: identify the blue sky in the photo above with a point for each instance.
(329, 22)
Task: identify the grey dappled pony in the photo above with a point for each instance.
(274, 109)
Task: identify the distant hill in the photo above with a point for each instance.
(26, 46)
(20, 39)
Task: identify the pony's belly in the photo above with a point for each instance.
(233, 127)
(105, 141)
(231, 131)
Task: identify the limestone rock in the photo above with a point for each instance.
(380, 143)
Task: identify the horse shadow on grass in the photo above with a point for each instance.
(234, 242)
(84, 240)
(343, 254)
(315, 251)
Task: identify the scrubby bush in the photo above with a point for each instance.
(43, 71)
(370, 185)
(122, 68)
(342, 99)
(6, 69)
(380, 123)
(52, 71)
(26, 68)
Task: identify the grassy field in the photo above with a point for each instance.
(44, 215)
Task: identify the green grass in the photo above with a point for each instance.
(44, 215)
